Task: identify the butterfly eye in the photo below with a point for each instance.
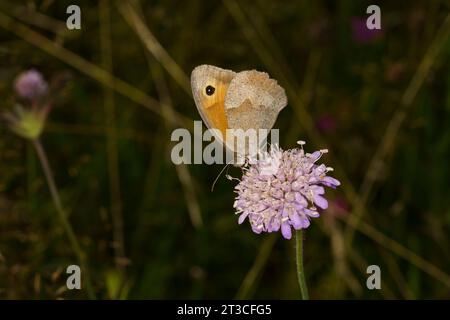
(210, 90)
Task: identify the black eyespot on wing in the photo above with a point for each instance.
(210, 90)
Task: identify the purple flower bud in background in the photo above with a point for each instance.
(339, 207)
(360, 32)
(283, 190)
(30, 85)
(326, 124)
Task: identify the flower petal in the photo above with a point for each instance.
(318, 189)
(311, 213)
(242, 217)
(315, 155)
(305, 223)
(330, 182)
(286, 230)
(300, 199)
(296, 221)
(257, 230)
(275, 225)
(320, 201)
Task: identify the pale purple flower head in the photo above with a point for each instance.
(30, 85)
(282, 190)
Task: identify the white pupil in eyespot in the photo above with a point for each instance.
(210, 90)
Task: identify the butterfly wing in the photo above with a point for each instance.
(209, 87)
(253, 101)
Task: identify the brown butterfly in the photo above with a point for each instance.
(236, 100)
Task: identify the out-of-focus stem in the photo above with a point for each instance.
(111, 133)
(61, 214)
(249, 283)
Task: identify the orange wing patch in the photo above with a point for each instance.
(214, 107)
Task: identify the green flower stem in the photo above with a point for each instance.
(299, 260)
(62, 215)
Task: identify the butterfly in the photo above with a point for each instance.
(236, 100)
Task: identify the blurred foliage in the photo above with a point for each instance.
(349, 88)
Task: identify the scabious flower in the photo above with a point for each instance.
(28, 120)
(282, 190)
(30, 85)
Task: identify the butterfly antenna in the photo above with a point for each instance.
(220, 173)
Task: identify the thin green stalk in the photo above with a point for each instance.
(299, 260)
(152, 44)
(249, 284)
(61, 214)
(111, 133)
